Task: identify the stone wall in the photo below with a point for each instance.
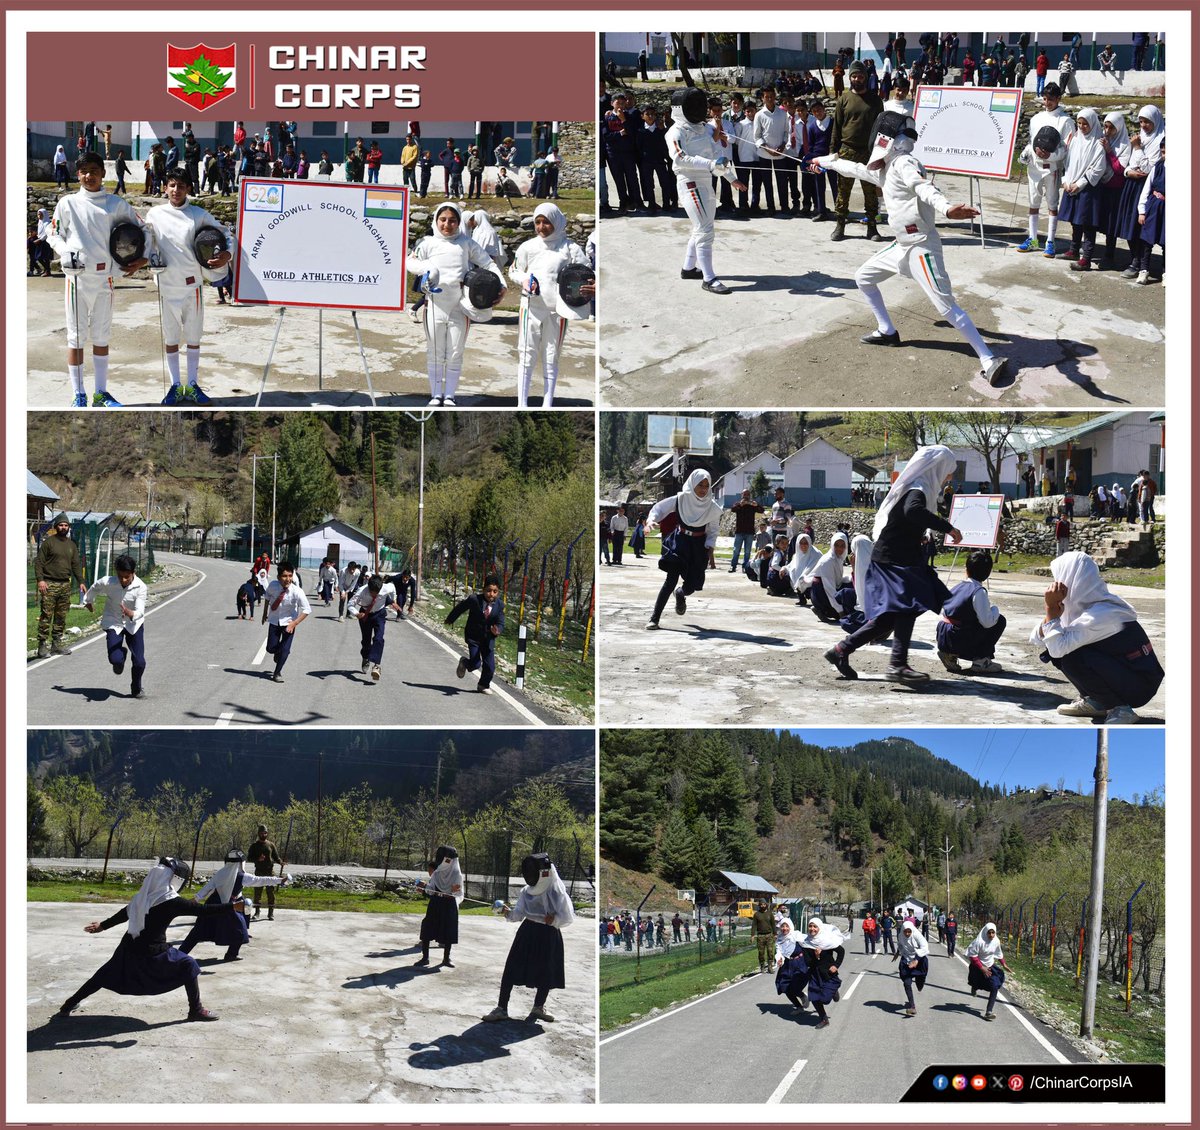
(577, 148)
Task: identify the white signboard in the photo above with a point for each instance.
(977, 518)
(317, 243)
(967, 129)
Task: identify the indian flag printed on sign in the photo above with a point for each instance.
(1006, 101)
(384, 205)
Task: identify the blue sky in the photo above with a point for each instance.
(1137, 761)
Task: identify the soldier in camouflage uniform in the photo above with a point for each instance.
(56, 565)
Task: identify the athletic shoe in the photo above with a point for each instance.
(651, 626)
(906, 675)
(983, 667)
(1129, 273)
(1051, 251)
(680, 602)
(804, 999)
(175, 394)
(950, 662)
(1081, 265)
(80, 401)
(375, 673)
(910, 1012)
(484, 690)
(366, 666)
(1121, 716)
(715, 287)
(197, 395)
(842, 662)
(1082, 708)
(1144, 279)
(201, 1014)
(277, 677)
(1031, 244)
(878, 337)
(692, 273)
(139, 693)
(104, 400)
(462, 668)
(989, 1016)
(837, 996)
(497, 1014)
(448, 402)
(993, 370)
(823, 1022)
(539, 1013)
(434, 402)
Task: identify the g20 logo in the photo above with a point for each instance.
(263, 193)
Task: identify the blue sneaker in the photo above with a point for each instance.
(80, 400)
(1051, 251)
(197, 395)
(105, 400)
(174, 396)
(1031, 244)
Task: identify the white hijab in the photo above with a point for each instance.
(555, 240)
(787, 943)
(1085, 152)
(222, 882)
(986, 951)
(830, 569)
(925, 471)
(694, 511)
(1152, 141)
(1120, 144)
(827, 937)
(446, 876)
(861, 546)
(912, 942)
(435, 231)
(803, 559)
(1089, 601)
(549, 896)
(157, 887)
(485, 235)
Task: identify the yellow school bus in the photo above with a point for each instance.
(745, 910)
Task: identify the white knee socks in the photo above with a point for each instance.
(875, 300)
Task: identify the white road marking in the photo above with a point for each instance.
(522, 710)
(1032, 1030)
(846, 995)
(785, 1084)
(100, 635)
(262, 653)
(225, 718)
(674, 1011)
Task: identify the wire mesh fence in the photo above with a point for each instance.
(99, 546)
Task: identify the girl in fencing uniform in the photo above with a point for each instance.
(536, 959)
(441, 261)
(224, 889)
(689, 521)
(913, 956)
(445, 890)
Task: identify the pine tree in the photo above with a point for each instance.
(676, 851)
(706, 852)
(764, 816)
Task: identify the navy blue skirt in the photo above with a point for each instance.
(822, 986)
(792, 976)
(440, 923)
(1124, 223)
(1154, 230)
(918, 975)
(228, 929)
(134, 973)
(906, 589)
(977, 979)
(1088, 208)
(682, 551)
(536, 959)
(831, 613)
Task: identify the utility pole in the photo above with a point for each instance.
(320, 766)
(946, 852)
(1099, 837)
(437, 794)
(421, 419)
(253, 502)
(374, 511)
(254, 498)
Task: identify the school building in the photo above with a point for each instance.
(339, 541)
(773, 51)
(39, 501)
(817, 476)
(1112, 447)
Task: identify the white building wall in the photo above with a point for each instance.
(818, 455)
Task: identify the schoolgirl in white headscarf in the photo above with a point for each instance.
(824, 950)
(445, 890)
(1093, 637)
(536, 959)
(791, 968)
(690, 520)
(483, 233)
(441, 261)
(913, 955)
(804, 558)
(1084, 201)
(543, 324)
(223, 889)
(985, 966)
(899, 583)
(1141, 218)
(826, 579)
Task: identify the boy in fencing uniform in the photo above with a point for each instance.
(916, 253)
(696, 158)
(174, 228)
(1044, 158)
(80, 235)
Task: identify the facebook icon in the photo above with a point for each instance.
(940, 1082)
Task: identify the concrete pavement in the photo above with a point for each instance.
(740, 657)
(205, 667)
(324, 1008)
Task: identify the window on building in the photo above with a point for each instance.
(324, 129)
(960, 471)
(1155, 464)
(381, 127)
(816, 479)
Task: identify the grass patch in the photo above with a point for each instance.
(558, 672)
(666, 979)
(290, 898)
(77, 615)
(1138, 1036)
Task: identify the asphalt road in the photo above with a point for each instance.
(789, 332)
(324, 1008)
(207, 668)
(744, 1044)
(740, 657)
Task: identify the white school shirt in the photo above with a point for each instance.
(348, 578)
(133, 597)
(363, 601)
(618, 524)
(294, 603)
(669, 505)
(328, 573)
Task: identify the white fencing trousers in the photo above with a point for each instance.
(923, 264)
(1044, 184)
(89, 303)
(445, 340)
(182, 315)
(539, 336)
(699, 202)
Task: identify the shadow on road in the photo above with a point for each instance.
(445, 688)
(815, 282)
(783, 1010)
(390, 978)
(244, 713)
(896, 1008)
(415, 948)
(83, 1031)
(705, 634)
(351, 676)
(477, 1044)
(91, 694)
